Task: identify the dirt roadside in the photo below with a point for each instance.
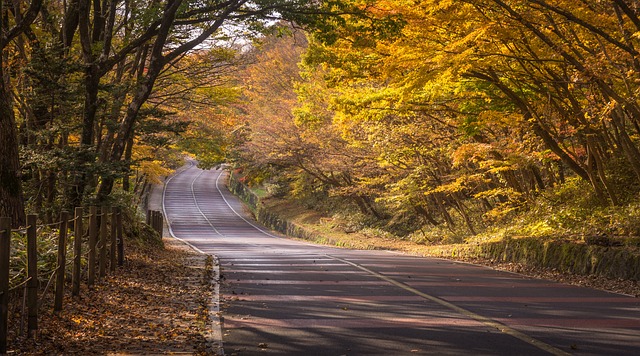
(158, 303)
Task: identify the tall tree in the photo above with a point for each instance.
(479, 105)
(202, 23)
(11, 198)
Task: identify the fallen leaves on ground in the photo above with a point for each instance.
(156, 304)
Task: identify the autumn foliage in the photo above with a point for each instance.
(458, 114)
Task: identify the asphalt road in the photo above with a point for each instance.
(285, 297)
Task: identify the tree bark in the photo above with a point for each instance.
(11, 199)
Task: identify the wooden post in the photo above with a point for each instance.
(5, 254)
(93, 239)
(77, 251)
(155, 220)
(62, 261)
(104, 212)
(113, 237)
(120, 238)
(32, 275)
(149, 215)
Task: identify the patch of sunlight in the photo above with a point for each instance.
(260, 192)
(537, 229)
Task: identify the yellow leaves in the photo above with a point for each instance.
(460, 184)
(503, 208)
(440, 111)
(499, 119)
(154, 170)
(74, 139)
(148, 164)
(470, 153)
(465, 44)
(78, 319)
(499, 212)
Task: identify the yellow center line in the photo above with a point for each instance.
(482, 319)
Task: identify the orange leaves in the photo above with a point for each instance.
(470, 153)
(154, 306)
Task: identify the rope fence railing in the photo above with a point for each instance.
(95, 238)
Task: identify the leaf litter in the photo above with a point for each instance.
(156, 304)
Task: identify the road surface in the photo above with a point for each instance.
(285, 297)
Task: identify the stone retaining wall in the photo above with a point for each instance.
(566, 256)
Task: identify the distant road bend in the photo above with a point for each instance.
(287, 297)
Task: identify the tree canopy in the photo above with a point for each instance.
(87, 82)
(448, 114)
(468, 111)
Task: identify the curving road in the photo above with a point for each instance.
(286, 297)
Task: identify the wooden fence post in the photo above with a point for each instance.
(154, 221)
(149, 216)
(120, 238)
(32, 275)
(113, 242)
(77, 251)
(104, 212)
(5, 254)
(62, 261)
(93, 239)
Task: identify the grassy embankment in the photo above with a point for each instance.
(537, 240)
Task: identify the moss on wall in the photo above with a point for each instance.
(611, 260)
(566, 256)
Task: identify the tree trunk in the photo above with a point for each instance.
(11, 199)
(420, 210)
(156, 63)
(463, 211)
(128, 152)
(537, 177)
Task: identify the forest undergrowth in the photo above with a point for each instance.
(568, 212)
